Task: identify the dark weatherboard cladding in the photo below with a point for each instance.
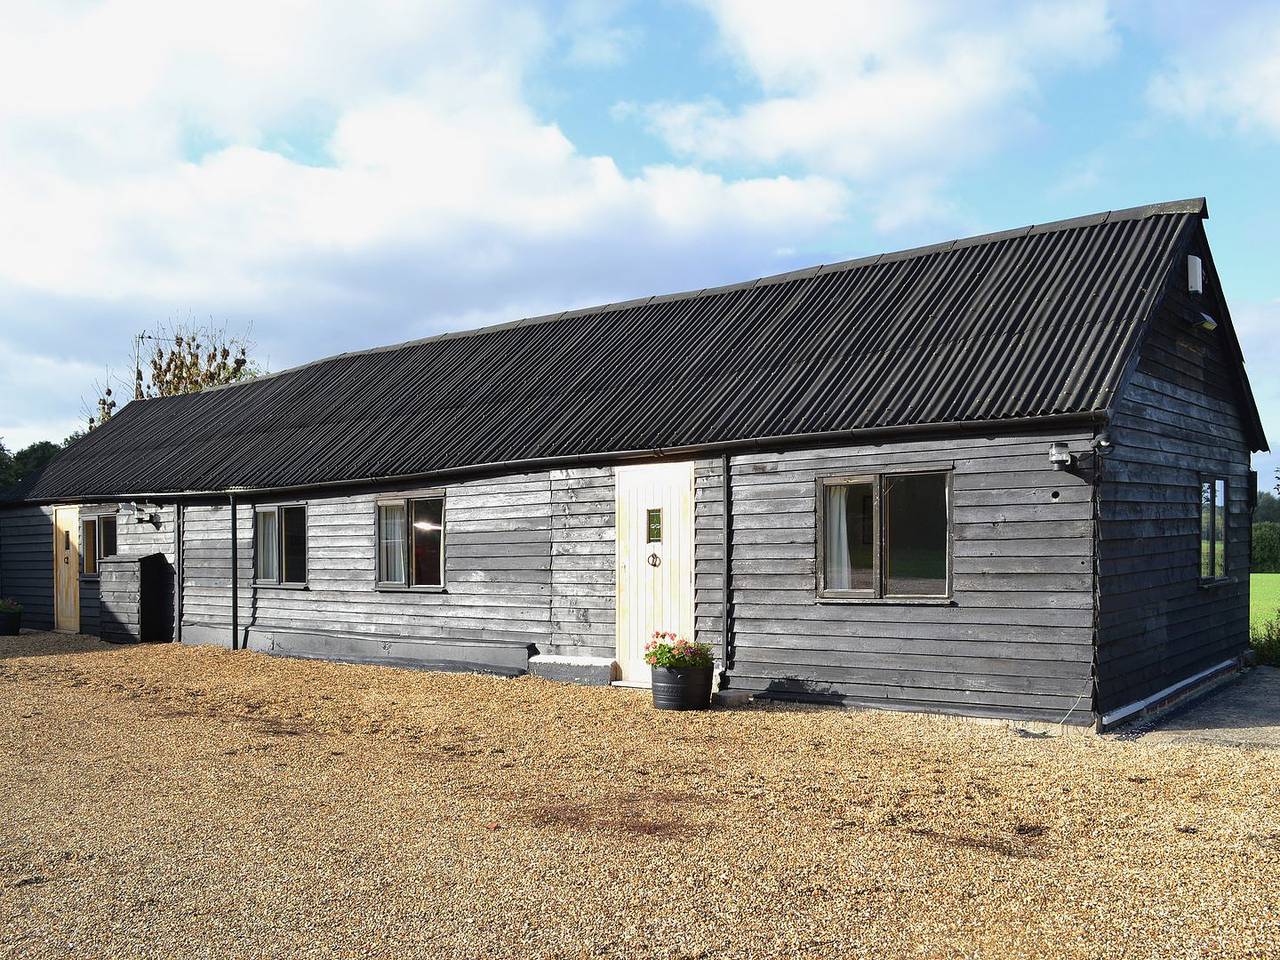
(1029, 322)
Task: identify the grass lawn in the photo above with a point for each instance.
(165, 800)
(1264, 597)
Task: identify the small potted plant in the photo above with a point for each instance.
(10, 617)
(681, 672)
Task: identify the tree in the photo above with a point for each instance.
(1267, 509)
(30, 460)
(6, 467)
(178, 359)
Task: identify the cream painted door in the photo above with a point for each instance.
(655, 559)
(66, 569)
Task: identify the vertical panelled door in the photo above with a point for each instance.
(655, 559)
(66, 569)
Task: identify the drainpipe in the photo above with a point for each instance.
(235, 576)
(177, 571)
(726, 532)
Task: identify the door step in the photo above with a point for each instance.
(633, 684)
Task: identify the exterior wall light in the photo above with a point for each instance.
(1059, 456)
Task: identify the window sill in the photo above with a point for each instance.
(1206, 584)
(396, 588)
(271, 584)
(891, 601)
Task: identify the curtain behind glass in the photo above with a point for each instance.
(848, 518)
(839, 572)
(391, 542)
(268, 558)
(89, 547)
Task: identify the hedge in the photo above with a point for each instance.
(1266, 548)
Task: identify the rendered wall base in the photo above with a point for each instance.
(591, 671)
(505, 658)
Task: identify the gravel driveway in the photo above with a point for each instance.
(168, 801)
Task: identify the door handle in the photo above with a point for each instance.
(654, 560)
(65, 558)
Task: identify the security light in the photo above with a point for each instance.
(1060, 456)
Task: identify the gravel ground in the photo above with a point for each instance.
(167, 801)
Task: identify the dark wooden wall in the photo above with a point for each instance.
(1015, 641)
(529, 562)
(26, 562)
(1177, 418)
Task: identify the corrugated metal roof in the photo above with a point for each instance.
(1024, 323)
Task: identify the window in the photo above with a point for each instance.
(280, 544)
(884, 536)
(653, 526)
(97, 540)
(1213, 528)
(411, 542)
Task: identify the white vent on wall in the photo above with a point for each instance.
(1195, 275)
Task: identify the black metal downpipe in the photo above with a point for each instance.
(235, 576)
(726, 586)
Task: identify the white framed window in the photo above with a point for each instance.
(410, 542)
(884, 536)
(280, 544)
(97, 540)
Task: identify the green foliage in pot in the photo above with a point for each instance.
(668, 650)
(10, 606)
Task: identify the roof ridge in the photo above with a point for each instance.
(1191, 205)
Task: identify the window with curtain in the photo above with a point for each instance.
(280, 544)
(884, 536)
(97, 540)
(411, 542)
(266, 546)
(1213, 528)
(89, 547)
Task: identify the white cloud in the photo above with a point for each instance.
(1257, 326)
(1227, 75)
(863, 90)
(361, 174)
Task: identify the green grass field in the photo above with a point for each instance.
(1264, 597)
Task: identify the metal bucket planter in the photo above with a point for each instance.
(681, 688)
(10, 623)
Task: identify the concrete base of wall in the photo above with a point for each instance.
(591, 671)
(501, 657)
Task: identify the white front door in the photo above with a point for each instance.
(655, 559)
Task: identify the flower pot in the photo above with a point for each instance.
(10, 623)
(681, 688)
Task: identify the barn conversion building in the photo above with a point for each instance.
(1003, 476)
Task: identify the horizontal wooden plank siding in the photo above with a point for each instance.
(1015, 640)
(1177, 419)
(583, 560)
(26, 562)
(529, 562)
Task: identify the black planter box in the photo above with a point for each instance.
(681, 688)
(10, 624)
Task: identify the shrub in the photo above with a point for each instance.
(1266, 641)
(1266, 548)
(10, 606)
(668, 650)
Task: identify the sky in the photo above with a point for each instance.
(334, 176)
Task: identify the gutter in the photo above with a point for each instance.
(750, 445)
